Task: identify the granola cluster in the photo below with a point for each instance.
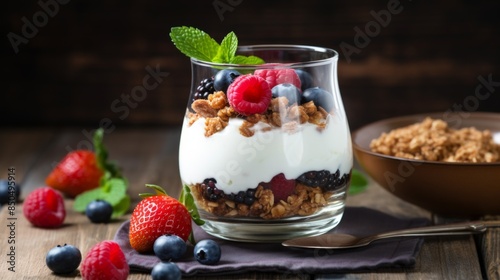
(433, 140)
(217, 112)
(304, 201)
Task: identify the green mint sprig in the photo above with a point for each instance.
(199, 45)
(113, 191)
(359, 183)
(187, 199)
(112, 186)
(102, 155)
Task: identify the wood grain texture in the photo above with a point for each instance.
(150, 156)
(490, 251)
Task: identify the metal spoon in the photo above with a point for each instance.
(341, 241)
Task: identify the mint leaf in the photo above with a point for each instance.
(102, 155)
(113, 191)
(247, 60)
(83, 199)
(187, 199)
(358, 182)
(194, 43)
(121, 208)
(112, 186)
(197, 44)
(227, 49)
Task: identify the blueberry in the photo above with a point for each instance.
(99, 211)
(166, 271)
(319, 96)
(63, 259)
(306, 79)
(207, 251)
(224, 78)
(9, 192)
(291, 92)
(240, 197)
(169, 247)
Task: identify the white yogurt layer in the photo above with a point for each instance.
(239, 163)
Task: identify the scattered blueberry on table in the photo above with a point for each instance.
(207, 251)
(99, 211)
(166, 271)
(4, 192)
(169, 247)
(63, 259)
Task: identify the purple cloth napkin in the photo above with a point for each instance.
(240, 257)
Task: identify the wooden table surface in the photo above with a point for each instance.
(149, 155)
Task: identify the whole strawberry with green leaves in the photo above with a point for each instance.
(82, 170)
(155, 215)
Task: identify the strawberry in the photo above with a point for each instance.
(156, 215)
(281, 187)
(76, 173)
(249, 94)
(105, 260)
(279, 76)
(81, 170)
(44, 207)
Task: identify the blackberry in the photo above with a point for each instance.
(246, 197)
(204, 89)
(210, 190)
(314, 178)
(324, 179)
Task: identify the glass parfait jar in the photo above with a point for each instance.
(267, 153)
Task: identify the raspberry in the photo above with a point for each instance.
(105, 261)
(281, 187)
(44, 207)
(279, 76)
(249, 94)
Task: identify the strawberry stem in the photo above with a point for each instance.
(158, 191)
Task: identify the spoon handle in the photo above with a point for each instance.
(446, 229)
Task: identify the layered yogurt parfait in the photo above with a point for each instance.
(265, 148)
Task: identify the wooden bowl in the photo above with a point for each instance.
(448, 189)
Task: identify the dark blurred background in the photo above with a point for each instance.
(75, 62)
